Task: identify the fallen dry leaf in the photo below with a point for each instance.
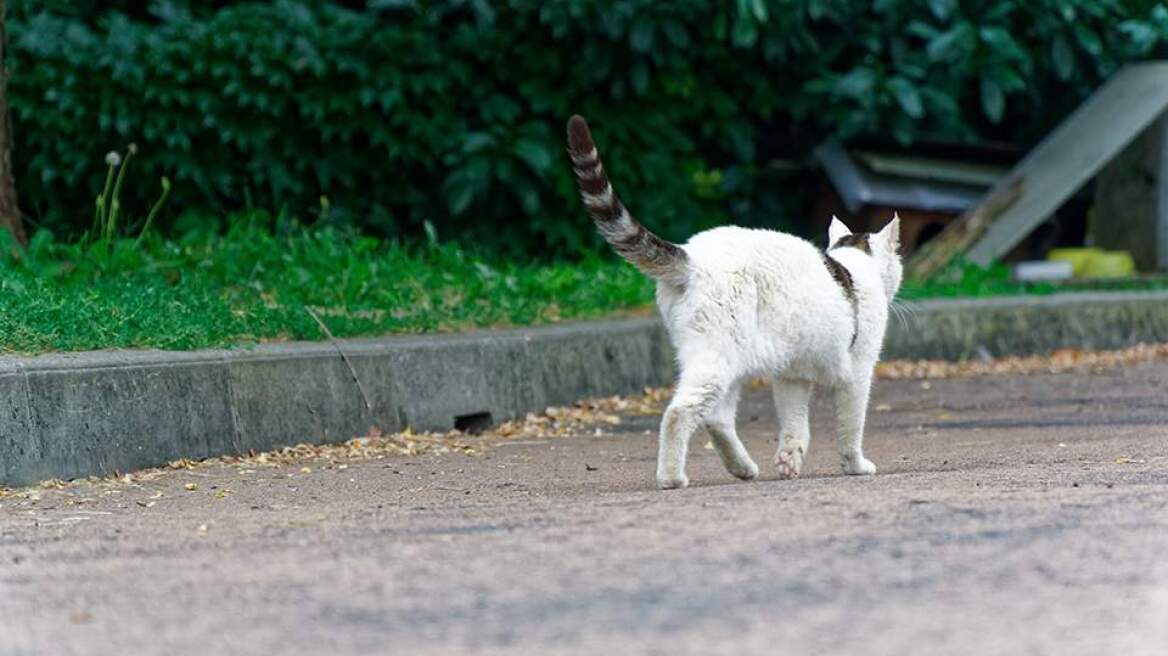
(587, 416)
(1056, 362)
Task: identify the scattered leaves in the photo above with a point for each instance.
(1057, 362)
(576, 419)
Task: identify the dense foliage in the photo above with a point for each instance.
(389, 113)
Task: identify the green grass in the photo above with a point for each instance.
(256, 284)
(252, 285)
(966, 280)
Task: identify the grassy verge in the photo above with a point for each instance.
(973, 281)
(255, 284)
(250, 285)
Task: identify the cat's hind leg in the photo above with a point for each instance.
(699, 392)
(721, 425)
(792, 405)
(851, 407)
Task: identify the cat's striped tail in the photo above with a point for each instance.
(653, 255)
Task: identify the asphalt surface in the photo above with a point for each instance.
(1010, 515)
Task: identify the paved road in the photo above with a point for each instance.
(1000, 523)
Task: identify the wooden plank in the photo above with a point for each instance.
(1074, 152)
(963, 231)
(1130, 193)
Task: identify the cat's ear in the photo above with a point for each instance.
(890, 234)
(836, 231)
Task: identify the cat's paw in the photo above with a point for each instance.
(672, 481)
(858, 466)
(746, 470)
(789, 461)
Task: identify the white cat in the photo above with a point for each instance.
(740, 303)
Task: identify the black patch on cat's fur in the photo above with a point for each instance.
(856, 240)
(842, 276)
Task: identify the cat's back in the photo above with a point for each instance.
(749, 250)
(763, 296)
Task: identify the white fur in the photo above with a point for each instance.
(763, 303)
(589, 157)
(601, 200)
(836, 230)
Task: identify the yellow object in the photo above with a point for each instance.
(1078, 257)
(1095, 262)
(1110, 264)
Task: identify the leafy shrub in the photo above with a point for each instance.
(452, 111)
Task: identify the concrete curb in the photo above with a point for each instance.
(79, 414)
(960, 329)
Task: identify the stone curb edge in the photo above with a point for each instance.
(70, 415)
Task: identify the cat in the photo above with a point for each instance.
(740, 303)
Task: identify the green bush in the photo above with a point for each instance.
(452, 111)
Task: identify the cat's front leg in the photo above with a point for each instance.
(792, 399)
(851, 407)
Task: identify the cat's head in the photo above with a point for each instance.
(883, 247)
